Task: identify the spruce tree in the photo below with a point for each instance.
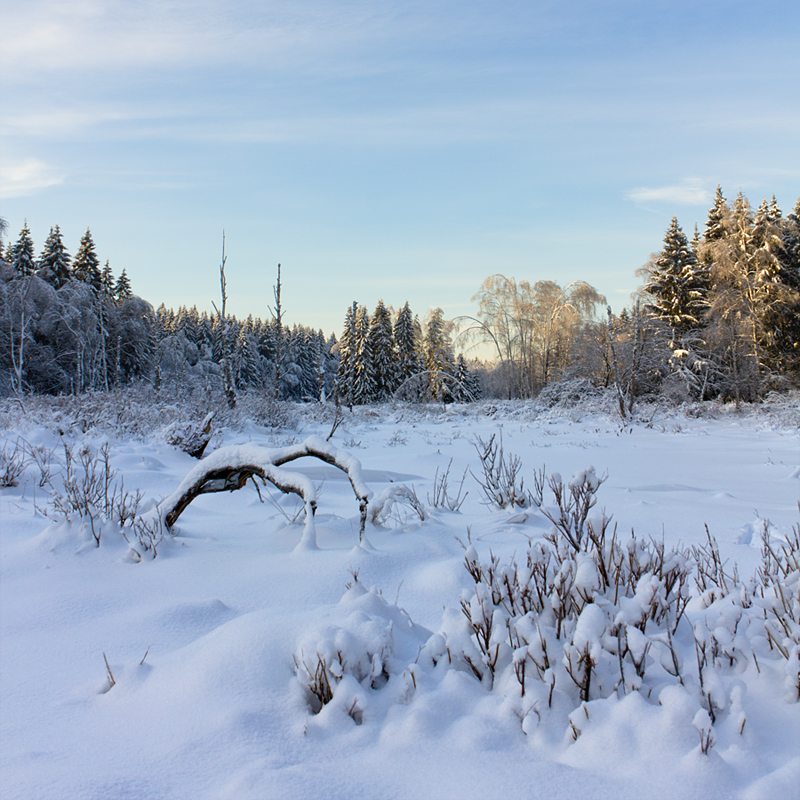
(744, 296)
(54, 261)
(86, 266)
(778, 287)
(717, 224)
(245, 359)
(122, 289)
(438, 357)
(677, 286)
(107, 280)
(21, 255)
(382, 348)
(466, 389)
(406, 344)
(363, 367)
(347, 346)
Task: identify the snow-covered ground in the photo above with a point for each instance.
(208, 642)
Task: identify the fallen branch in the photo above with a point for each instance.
(229, 469)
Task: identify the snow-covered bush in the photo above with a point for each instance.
(89, 492)
(12, 463)
(502, 483)
(585, 617)
(393, 501)
(363, 655)
(567, 393)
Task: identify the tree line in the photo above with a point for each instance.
(67, 325)
(717, 316)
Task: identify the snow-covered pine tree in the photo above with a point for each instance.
(247, 373)
(438, 357)
(737, 299)
(363, 367)
(718, 218)
(406, 344)
(677, 285)
(347, 347)
(381, 346)
(86, 265)
(122, 289)
(54, 261)
(307, 363)
(779, 290)
(21, 255)
(107, 281)
(467, 388)
(331, 364)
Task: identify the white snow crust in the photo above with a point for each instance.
(213, 642)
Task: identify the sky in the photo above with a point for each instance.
(394, 150)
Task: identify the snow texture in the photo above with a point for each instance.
(189, 675)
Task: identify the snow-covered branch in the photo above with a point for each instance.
(230, 468)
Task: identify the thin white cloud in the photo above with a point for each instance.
(60, 122)
(26, 177)
(48, 35)
(689, 193)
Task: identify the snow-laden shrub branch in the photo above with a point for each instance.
(363, 656)
(87, 489)
(12, 464)
(229, 469)
(584, 617)
(502, 484)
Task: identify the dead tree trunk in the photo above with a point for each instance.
(227, 377)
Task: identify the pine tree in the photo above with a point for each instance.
(245, 358)
(406, 343)
(466, 389)
(21, 255)
(677, 285)
(122, 290)
(747, 292)
(363, 367)
(382, 348)
(86, 266)
(107, 280)
(347, 347)
(54, 261)
(778, 279)
(438, 357)
(718, 216)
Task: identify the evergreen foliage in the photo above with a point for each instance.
(107, 280)
(439, 358)
(122, 288)
(677, 285)
(381, 348)
(54, 263)
(716, 225)
(347, 348)
(407, 345)
(86, 265)
(721, 318)
(364, 384)
(21, 255)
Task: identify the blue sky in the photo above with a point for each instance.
(381, 149)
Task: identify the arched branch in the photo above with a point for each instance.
(229, 469)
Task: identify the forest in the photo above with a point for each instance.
(715, 316)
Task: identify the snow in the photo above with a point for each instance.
(213, 642)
